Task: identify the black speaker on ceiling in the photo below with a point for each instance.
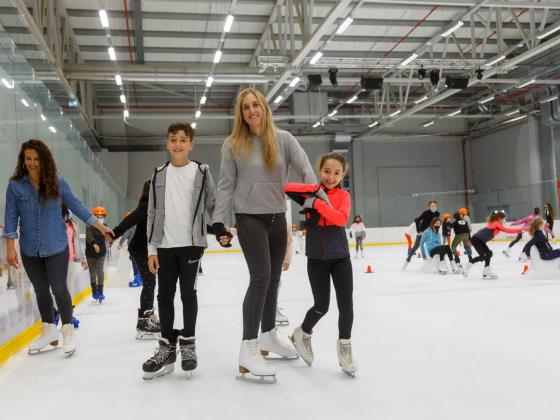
(314, 80)
(371, 83)
(456, 82)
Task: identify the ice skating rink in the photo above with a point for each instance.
(427, 346)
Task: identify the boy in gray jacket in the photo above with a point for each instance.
(182, 196)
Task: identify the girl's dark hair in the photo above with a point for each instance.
(496, 215)
(65, 212)
(434, 221)
(335, 156)
(536, 211)
(356, 216)
(145, 195)
(457, 215)
(431, 201)
(48, 175)
(550, 210)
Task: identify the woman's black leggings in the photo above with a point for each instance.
(148, 281)
(517, 239)
(320, 273)
(442, 251)
(484, 253)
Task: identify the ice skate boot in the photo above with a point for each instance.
(467, 268)
(356, 255)
(100, 295)
(405, 264)
(68, 344)
(94, 292)
(47, 341)
(147, 326)
(345, 358)
(188, 354)
(455, 268)
(362, 253)
(136, 282)
(442, 268)
(253, 363)
(488, 274)
(507, 252)
(281, 319)
(163, 360)
(302, 343)
(75, 322)
(271, 342)
(523, 257)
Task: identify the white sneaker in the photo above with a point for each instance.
(68, 344)
(251, 361)
(467, 268)
(302, 343)
(345, 358)
(271, 342)
(488, 274)
(49, 336)
(405, 264)
(507, 252)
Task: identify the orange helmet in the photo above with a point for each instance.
(99, 211)
(463, 211)
(446, 216)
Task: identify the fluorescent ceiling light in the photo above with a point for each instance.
(527, 83)
(509, 114)
(209, 81)
(483, 101)
(278, 99)
(344, 25)
(316, 58)
(515, 119)
(198, 114)
(25, 103)
(453, 28)
(333, 113)
(294, 81)
(126, 114)
(413, 57)
(217, 56)
(104, 18)
(203, 100)
(123, 99)
(428, 124)
(422, 99)
(373, 124)
(452, 114)
(229, 22)
(340, 150)
(112, 54)
(548, 31)
(317, 124)
(352, 99)
(550, 99)
(7, 84)
(52, 129)
(397, 112)
(43, 117)
(495, 61)
(193, 125)
(118, 79)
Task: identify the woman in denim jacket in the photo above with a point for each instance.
(33, 202)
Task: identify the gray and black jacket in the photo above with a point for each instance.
(202, 205)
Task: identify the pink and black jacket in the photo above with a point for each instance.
(326, 234)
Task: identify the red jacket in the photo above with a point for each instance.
(326, 234)
(493, 229)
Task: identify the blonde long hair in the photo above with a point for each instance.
(240, 138)
(535, 225)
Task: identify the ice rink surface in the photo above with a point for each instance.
(427, 347)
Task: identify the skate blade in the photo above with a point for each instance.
(69, 353)
(46, 349)
(164, 371)
(351, 374)
(282, 323)
(275, 356)
(246, 375)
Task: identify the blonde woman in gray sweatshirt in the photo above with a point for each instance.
(255, 162)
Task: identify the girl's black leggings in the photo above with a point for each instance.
(484, 253)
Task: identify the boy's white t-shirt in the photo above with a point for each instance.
(179, 185)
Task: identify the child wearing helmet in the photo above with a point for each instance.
(96, 250)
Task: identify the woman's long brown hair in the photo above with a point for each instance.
(48, 175)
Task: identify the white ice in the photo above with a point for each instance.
(427, 346)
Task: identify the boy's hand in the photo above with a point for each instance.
(153, 264)
(222, 235)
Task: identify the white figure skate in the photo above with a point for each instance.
(345, 358)
(251, 362)
(302, 343)
(271, 342)
(47, 341)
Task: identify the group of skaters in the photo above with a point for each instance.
(179, 207)
(435, 244)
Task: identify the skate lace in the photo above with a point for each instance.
(188, 352)
(161, 354)
(67, 334)
(346, 352)
(153, 321)
(307, 344)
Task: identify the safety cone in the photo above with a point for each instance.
(369, 270)
(525, 269)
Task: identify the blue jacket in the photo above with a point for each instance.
(431, 239)
(42, 230)
(540, 241)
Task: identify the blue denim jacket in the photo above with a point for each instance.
(41, 228)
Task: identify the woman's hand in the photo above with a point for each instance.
(153, 264)
(13, 257)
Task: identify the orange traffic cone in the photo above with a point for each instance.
(525, 269)
(369, 269)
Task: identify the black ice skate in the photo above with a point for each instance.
(188, 354)
(162, 362)
(147, 326)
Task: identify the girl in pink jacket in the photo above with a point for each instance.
(524, 223)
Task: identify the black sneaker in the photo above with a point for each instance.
(147, 326)
(162, 362)
(188, 353)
